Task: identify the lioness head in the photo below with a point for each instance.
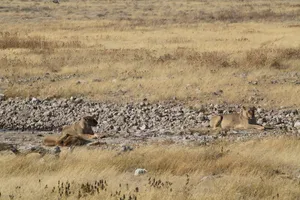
(248, 113)
(90, 121)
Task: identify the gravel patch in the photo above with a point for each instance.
(27, 121)
(131, 118)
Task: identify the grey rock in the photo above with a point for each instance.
(259, 121)
(140, 171)
(143, 127)
(35, 100)
(259, 110)
(125, 148)
(297, 124)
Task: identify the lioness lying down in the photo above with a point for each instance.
(76, 134)
(236, 120)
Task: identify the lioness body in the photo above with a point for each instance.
(78, 133)
(236, 120)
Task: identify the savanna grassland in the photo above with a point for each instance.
(196, 52)
(256, 169)
(193, 51)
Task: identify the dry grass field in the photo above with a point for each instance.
(257, 169)
(193, 51)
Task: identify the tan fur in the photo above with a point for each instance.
(78, 133)
(240, 120)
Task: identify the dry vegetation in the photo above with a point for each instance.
(197, 51)
(130, 50)
(257, 169)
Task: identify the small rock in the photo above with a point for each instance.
(143, 127)
(297, 124)
(78, 100)
(47, 114)
(125, 148)
(117, 128)
(253, 82)
(217, 93)
(35, 100)
(260, 121)
(259, 110)
(56, 150)
(140, 171)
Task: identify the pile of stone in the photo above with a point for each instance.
(164, 117)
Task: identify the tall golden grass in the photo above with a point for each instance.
(160, 50)
(258, 169)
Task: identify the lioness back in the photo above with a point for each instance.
(235, 120)
(77, 133)
(73, 129)
(84, 126)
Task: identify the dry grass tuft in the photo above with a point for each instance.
(12, 40)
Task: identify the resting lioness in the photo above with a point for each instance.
(236, 120)
(78, 133)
